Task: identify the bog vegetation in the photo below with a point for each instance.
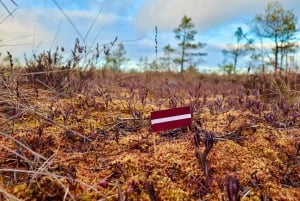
(73, 131)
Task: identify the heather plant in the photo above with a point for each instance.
(231, 188)
(290, 177)
(44, 69)
(143, 93)
(202, 155)
(52, 69)
(194, 96)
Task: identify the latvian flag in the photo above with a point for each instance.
(171, 118)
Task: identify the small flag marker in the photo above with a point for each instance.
(171, 118)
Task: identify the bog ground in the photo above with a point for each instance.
(85, 135)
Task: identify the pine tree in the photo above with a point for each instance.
(185, 33)
(116, 58)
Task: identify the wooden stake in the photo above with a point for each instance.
(154, 144)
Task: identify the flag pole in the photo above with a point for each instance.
(154, 145)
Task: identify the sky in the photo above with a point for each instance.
(38, 25)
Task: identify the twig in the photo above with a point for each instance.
(24, 146)
(120, 194)
(56, 177)
(66, 193)
(132, 119)
(9, 15)
(69, 20)
(18, 155)
(8, 195)
(60, 125)
(151, 191)
(226, 136)
(44, 165)
(3, 4)
(113, 126)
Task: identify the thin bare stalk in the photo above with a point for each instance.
(37, 155)
(8, 196)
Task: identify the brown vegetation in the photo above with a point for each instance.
(84, 134)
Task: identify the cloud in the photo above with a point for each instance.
(206, 14)
(43, 25)
(167, 14)
(35, 29)
(214, 20)
(22, 33)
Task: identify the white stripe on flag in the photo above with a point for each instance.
(172, 118)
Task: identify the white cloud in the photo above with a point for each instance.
(167, 14)
(206, 14)
(36, 29)
(22, 33)
(215, 21)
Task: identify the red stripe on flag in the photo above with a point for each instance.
(183, 113)
(170, 112)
